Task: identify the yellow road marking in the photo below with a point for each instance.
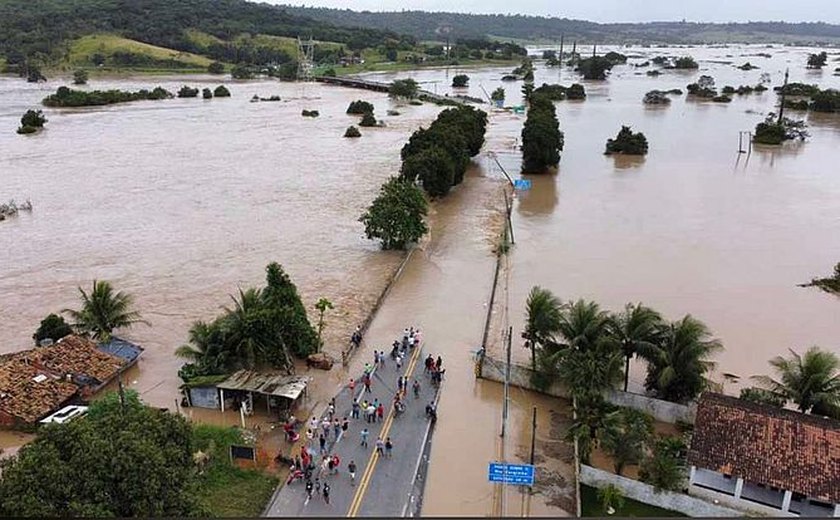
(386, 427)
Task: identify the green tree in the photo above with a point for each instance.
(120, 461)
(221, 91)
(433, 168)
(31, 122)
(528, 91)
(323, 305)
(460, 80)
(241, 71)
(403, 89)
(359, 107)
(626, 442)
(664, 469)
(286, 310)
(636, 330)
(352, 131)
(216, 67)
(628, 143)
(829, 284)
(446, 137)
(80, 77)
(542, 140)
(593, 415)
(594, 68)
(368, 120)
(103, 311)
(763, 396)
(542, 321)
(395, 217)
(685, 62)
(248, 332)
(187, 92)
(817, 61)
(678, 367)
(205, 350)
(498, 95)
(811, 381)
(207, 93)
(52, 327)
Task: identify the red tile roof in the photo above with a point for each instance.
(78, 356)
(24, 398)
(768, 445)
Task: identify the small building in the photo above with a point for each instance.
(125, 350)
(37, 382)
(763, 459)
(279, 391)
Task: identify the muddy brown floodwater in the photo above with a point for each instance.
(179, 202)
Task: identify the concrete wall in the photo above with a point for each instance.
(645, 493)
(520, 376)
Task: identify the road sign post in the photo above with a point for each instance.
(522, 184)
(519, 474)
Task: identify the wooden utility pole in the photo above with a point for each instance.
(594, 47)
(507, 383)
(560, 56)
(573, 59)
(782, 101)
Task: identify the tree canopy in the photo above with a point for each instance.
(104, 311)
(810, 381)
(52, 327)
(395, 217)
(594, 68)
(403, 88)
(119, 461)
(542, 140)
(817, 61)
(627, 142)
(460, 80)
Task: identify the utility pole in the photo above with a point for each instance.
(507, 383)
(560, 56)
(573, 59)
(121, 392)
(594, 47)
(533, 433)
(782, 101)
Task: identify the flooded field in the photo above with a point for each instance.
(694, 227)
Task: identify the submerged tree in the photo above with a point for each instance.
(542, 321)
(542, 140)
(31, 122)
(817, 61)
(773, 131)
(594, 68)
(626, 441)
(52, 327)
(460, 80)
(403, 89)
(829, 284)
(433, 168)
(637, 331)
(103, 311)
(395, 217)
(80, 77)
(627, 143)
(498, 95)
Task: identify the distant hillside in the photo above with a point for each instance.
(432, 26)
(48, 31)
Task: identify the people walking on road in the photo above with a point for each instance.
(309, 487)
(380, 412)
(354, 412)
(325, 427)
(376, 358)
(380, 446)
(399, 361)
(336, 461)
(416, 388)
(382, 358)
(371, 413)
(336, 427)
(328, 464)
(345, 424)
(363, 435)
(326, 493)
(317, 485)
(388, 447)
(439, 363)
(313, 423)
(418, 337)
(322, 440)
(367, 383)
(356, 338)
(428, 364)
(352, 386)
(351, 468)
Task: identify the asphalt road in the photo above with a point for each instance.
(383, 485)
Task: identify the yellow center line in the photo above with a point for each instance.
(386, 427)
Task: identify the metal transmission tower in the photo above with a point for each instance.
(306, 60)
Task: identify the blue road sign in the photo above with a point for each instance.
(522, 184)
(522, 474)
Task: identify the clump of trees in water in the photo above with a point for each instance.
(67, 97)
(542, 140)
(52, 327)
(187, 92)
(685, 63)
(830, 284)
(359, 107)
(368, 120)
(31, 122)
(80, 77)
(460, 81)
(774, 130)
(556, 92)
(817, 61)
(810, 97)
(352, 131)
(628, 143)
(310, 113)
(396, 216)
(221, 91)
(595, 67)
(264, 327)
(206, 93)
(498, 95)
(660, 97)
(525, 71)
(403, 89)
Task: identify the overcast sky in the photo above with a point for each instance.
(613, 10)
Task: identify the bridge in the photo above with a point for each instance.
(378, 86)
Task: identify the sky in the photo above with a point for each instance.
(613, 10)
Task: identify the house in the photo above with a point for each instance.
(279, 392)
(763, 459)
(37, 382)
(129, 352)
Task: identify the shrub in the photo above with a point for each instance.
(403, 88)
(216, 68)
(817, 61)
(359, 107)
(52, 327)
(627, 143)
(368, 120)
(433, 167)
(685, 62)
(594, 68)
(310, 113)
(241, 72)
(576, 91)
(80, 77)
(763, 396)
(665, 468)
(221, 91)
(796, 104)
(656, 97)
(33, 118)
(207, 93)
(826, 101)
(187, 92)
(722, 99)
(498, 95)
(330, 73)
(460, 80)
(352, 131)
(615, 58)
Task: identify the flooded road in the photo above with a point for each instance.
(694, 227)
(179, 202)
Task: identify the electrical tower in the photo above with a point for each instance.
(306, 60)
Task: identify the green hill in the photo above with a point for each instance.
(116, 51)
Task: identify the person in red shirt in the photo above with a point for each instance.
(380, 412)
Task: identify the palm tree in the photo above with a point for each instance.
(322, 305)
(678, 366)
(611, 498)
(811, 381)
(542, 311)
(636, 331)
(252, 333)
(104, 311)
(205, 347)
(583, 325)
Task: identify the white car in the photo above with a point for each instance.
(66, 414)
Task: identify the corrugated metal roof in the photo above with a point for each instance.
(122, 349)
(280, 385)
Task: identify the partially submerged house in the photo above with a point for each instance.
(37, 382)
(763, 459)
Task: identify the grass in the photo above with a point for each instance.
(590, 506)
(83, 48)
(226, 490)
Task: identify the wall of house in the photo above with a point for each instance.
(205, 397)
(730, 501)
(520, 376)
(645, 493)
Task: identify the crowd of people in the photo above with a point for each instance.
(370, 411)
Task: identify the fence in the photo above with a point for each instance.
(646, 494)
